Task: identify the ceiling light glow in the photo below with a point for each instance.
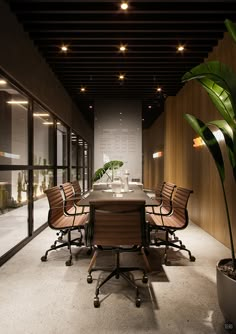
(3, 82)
(124, 6)
(17, 102)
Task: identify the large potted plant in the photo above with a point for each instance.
(220, 83)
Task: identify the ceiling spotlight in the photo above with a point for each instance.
(90, 107)
(159, 89)
(123, 48)
(149, 107)
(2, 82)
(124, 5)
(180, 48)
(121, 76)
(64, 48)
(82, 89)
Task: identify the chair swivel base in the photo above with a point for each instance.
(117, 272)
(74, 242)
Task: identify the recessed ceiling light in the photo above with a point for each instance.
(82, 89)
(123, 48)
(121, 76)
(180, 48)
(149, 107)
(64, 48)
(3, 82)
(90, 107)
(159, 89)
(124, 5)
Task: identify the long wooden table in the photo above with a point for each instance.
(135, 193)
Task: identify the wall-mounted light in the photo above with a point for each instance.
(197, 142)
(157, 155)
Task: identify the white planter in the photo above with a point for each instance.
(226, 290)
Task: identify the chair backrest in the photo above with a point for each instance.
(158, 190)
(68, 193)
(56, 210)
(117, 222)
(76, 188)
(179, 204)
(167, 191)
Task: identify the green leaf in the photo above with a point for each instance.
(113, 164)
(220, 82)
(209, 139)
(231, 27)
(226, 130)
(98, 174)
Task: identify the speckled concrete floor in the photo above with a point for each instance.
(49, 298)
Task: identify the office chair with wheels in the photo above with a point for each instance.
(120, 226)
(65, 218)
(171, 219)
(163, 196)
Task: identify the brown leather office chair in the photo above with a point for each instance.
(163, 197)
(64, 217)
(120, 226)
(171, 219)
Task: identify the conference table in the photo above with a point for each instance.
(134, 193)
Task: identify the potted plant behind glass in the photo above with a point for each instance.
(220, 83)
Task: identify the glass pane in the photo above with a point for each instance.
(13, 208)
(43, 179)
(86, 179)
(80, 152)
(74, 144)
(61, 145)
(62, 176)
(43, 137)
(73, 174)
(13, 126)
(81, 178)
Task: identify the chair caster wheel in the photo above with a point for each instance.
(68, 263)
(43, 258)
(89, 279)
(53, 246)
(192, 258)
(138, 302)
(96, 302)
(89, 251)
(145, 279)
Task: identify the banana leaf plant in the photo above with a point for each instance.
(220, 83)
(109, 166)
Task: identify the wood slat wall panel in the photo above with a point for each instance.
(194, 167)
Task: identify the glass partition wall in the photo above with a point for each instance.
(35, 154)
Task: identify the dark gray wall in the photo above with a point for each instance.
(20, 59)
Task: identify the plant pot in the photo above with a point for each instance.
(226, 290)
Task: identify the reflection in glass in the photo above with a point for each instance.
(61, 145)
(13, 208)
(43, 137)
(13, 126)
(62, 176)
(43, 179)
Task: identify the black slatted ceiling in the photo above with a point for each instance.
(94, 30)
